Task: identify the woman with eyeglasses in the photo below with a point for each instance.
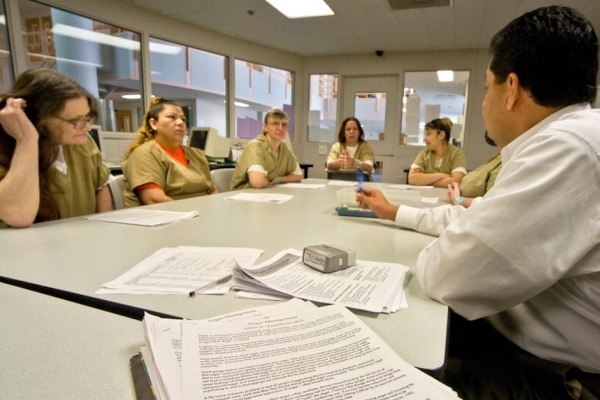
(157, 167)
(266, 160)
(441, 163)
(49, 166)
(351, 151)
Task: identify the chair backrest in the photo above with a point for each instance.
(222, 178)
(117, 189)
(347, 175)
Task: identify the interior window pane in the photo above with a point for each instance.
(103, 58)
(322, 110)
(259, 88)
(369, 108)
(6, 74)
(194, 79)
(427, 97)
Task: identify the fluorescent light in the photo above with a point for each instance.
(67, 60)
(238, 103)
(445, 76)
(132, 96)
(102, 38)
(302, 8)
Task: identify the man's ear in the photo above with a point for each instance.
(513, 90)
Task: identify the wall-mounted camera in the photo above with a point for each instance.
(379, 53)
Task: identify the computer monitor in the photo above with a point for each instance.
(215, 147)
(96, 134)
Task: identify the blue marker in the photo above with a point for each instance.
(360, 179)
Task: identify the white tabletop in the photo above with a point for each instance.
(78, 255)
(56, 349)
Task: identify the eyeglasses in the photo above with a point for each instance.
(278, 124)
(79, 123)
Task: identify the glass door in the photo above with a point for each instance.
(375, 102)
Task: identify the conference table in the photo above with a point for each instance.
(56, 349)
(72, 258)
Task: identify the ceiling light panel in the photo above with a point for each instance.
(302, 9)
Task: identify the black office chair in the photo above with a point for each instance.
(348, 175)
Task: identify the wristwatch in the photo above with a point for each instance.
(459, 200)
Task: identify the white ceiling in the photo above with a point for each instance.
(360, 26)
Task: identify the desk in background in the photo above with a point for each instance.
(77, 255)
(213, 165)
(115, 169)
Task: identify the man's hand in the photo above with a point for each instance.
(375, 201)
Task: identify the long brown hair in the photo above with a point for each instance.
(45, 91)
(342, 131)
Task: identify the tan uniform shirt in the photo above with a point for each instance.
(364, 152)
(149, 163)
(477, 182)
(454, 160)
(75, 191)
(257, 151)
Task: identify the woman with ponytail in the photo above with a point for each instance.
(157, 167)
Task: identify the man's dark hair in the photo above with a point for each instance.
(553, 51)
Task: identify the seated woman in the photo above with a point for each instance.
(266, 160)
(441, 163)
(477, 182)
(49, 166)
(157, 168)
(351, 151)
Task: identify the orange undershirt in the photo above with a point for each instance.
(178, 155)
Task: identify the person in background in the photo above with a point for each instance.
(266, 160)
(49, 166)
(157, 168)
(351, 151)
(477, 182)
(441, 163)
(521, 270)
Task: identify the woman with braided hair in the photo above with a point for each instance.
(157, 167)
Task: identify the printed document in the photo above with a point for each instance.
(325, 353)
(261, 197)
(183, 269)
(163, 336)
(370, 286)
(293, 350)
(142, 216)
(304, 185)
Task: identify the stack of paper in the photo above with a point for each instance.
(370, 286)
(292, 351)
(142, 216)
(184, 270)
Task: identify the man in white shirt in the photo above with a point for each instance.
(523, 264)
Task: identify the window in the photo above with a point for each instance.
(5, 63)
(259, 88)
(426, 98)
(194, 79)
(322, 110)
(102, 58)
